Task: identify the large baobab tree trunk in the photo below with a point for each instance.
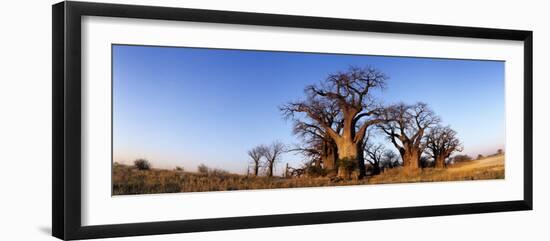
(349, 144)
(411, 159)
(350, 159)
(440, 162)
(347, 159)
(347, 149)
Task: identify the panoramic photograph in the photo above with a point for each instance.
(200, 120)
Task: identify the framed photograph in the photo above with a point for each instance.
(170, 120)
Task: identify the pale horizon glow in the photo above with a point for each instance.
(187, 106)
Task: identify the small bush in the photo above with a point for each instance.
(179, 169)
(142, 164)
(461, 158)
(203, 169)
(218, 172)
(347, 163)
(316, 171)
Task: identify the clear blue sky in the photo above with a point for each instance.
(186, 106)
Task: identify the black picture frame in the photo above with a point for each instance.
(66, 159)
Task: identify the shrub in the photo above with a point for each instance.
(142, 164)
(316, 171)
(347, 163)
(461, 158)
(217, 172)
(179, 169)
(203, 169)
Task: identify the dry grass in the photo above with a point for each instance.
(486, 168)
(129, 180)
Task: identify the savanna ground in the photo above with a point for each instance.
(130, 180)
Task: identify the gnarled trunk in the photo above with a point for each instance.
(350, 160)
(440, 162)
(411, 160)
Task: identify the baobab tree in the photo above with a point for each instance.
(272, 154)
(441, 143)
(318, 146)
(350, 92)
(406, 126)
(374, 153)
(389, 159)
(256, 155)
